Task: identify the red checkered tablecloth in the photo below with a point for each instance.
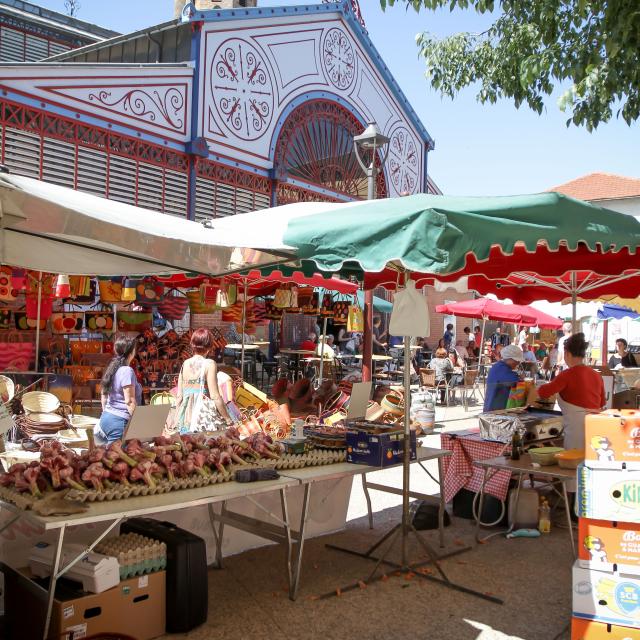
(461, 473)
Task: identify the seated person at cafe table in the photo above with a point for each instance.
(580, 391)
(443, 368)
(502, 377)
(328, 352)
(310, 343)
(622, 358)
(528, 354)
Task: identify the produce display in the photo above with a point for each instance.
(123, 469)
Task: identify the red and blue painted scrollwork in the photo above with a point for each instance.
(146, 104)
(242, 89)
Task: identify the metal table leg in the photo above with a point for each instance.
(219, 536)
(481, 503)
(367, 497)
(442, 505)
(567, 507)
(212, 521)
(293, 587)
(285, 518)
(54, 578)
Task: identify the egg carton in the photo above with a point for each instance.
(23, 501)
(122, 492)
(313, 458)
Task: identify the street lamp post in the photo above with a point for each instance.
(370, 141)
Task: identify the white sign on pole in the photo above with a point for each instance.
(6, 421)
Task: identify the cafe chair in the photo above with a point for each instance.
(470, 385)
(435, 389)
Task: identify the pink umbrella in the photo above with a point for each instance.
(488, 309)
(543, 320)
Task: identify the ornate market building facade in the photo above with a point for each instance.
(216, 112)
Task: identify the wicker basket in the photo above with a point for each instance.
(7, 389)
(39, 402)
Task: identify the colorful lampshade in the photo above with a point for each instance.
(63, 288)
(19, 279)
(129, 290)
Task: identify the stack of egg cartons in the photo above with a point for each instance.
(606, 576)
(136, 554)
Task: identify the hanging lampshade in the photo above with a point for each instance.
(129, 290)
(19, 279)
(63, 288)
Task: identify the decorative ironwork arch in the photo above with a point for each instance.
(315, 146)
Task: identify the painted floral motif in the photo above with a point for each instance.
(155, 105)
(339, 59)
(242, 89)
(403, 161)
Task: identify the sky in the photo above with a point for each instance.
(480, 149)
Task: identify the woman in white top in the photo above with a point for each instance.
(198, 377)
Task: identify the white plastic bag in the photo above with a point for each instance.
(410, 315)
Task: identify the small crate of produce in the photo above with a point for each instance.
(377, 445)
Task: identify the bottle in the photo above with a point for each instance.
(515, 445)
(544, 523)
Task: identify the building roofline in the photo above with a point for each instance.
(342, 7)
(121, 65)
(54, 19)
(113, 41)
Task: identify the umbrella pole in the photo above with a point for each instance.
(481, 355)
(38, 313)
(324, 336)
(605, 342)
(406, 457)
(574, 301)
(405, 527)
(244, 323)
(367, 351)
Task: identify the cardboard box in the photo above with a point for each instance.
(612, 440)
(135, 608)
(609, 546)
(378, 449)
(591, 630)
(606, 597)
(607, 494)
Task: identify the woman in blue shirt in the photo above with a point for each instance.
(120, 390)
(502, 378)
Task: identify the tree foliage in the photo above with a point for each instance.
(588, 48)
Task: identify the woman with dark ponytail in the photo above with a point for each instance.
(120, 390)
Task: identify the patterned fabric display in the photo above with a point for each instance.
(340, 312)
(110, 290)
(67, 323)
(173, 307)
(5, 319)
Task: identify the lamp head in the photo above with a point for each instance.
(371, 138)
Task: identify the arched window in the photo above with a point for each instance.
(315, 146)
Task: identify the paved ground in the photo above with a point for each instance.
(248, 598)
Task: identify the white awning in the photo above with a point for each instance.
(55, 229)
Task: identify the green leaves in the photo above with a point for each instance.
(591, 48)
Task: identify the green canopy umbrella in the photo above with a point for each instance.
(384, 241)
(379, 304)
(444, 235)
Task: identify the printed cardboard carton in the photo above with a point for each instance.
(612, 440)
(591, 630)
(606, 494)
(609, 546)
(606, 597)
